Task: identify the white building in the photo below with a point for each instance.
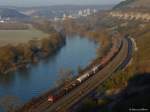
(2, 21)
(57, 19)
(88, 12)
(80, 13)
(64, 16)
(94, 11)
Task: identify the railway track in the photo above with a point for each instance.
(64, 104)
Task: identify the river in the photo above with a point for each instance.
(42, 76)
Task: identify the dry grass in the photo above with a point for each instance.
(19, 36)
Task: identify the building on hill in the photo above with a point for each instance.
(130, 15)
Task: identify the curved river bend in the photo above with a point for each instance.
(42, 76)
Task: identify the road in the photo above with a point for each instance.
(64, 104)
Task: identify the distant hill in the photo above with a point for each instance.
(47, 11)
(133, 4)
(12, 14)
(58, 10)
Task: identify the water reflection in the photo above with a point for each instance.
(24, 73)
(6, 80)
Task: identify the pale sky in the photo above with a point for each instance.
(55, 2)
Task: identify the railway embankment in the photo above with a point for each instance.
(39, 100)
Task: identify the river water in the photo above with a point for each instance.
(42, 76)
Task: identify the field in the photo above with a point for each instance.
(19, 36)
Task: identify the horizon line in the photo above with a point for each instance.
(56, 5)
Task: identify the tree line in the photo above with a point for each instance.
(19, 56)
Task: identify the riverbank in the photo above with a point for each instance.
(20, 56)
(36, 100)
(45, 73)
(41, 77)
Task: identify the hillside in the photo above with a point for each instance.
(129, 88)
(133, 4)
(11, 13)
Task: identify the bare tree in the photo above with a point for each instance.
(65, 76)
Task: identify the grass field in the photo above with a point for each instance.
(19, 36)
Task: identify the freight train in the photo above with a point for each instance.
(115, 47)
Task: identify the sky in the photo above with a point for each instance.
(55, 2)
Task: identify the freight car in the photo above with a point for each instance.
(116, 45)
